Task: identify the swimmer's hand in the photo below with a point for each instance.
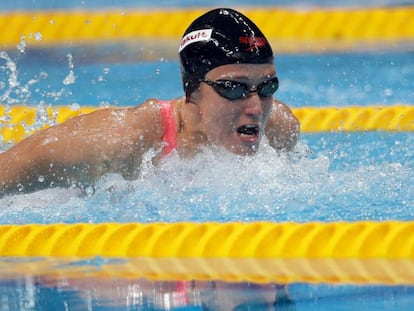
(283, 128)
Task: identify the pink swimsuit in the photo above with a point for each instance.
(169, 137)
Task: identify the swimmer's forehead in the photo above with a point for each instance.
(243, 72)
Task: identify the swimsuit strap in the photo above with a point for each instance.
(169, 137)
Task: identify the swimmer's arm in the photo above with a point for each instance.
(283, 127)
(33, 163)
(79, 151)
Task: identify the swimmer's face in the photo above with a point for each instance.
(236, 124)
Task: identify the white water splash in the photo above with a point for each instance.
(21, 46)
(12, 79)
(219, 186)
(70, 78)
(15, 92)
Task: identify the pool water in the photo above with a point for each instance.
(130, 77)
(125, 294)
(329, 177)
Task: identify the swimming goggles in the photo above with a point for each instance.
(236, 90)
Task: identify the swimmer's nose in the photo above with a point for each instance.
(253, 105)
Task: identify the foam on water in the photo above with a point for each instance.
(220, 186)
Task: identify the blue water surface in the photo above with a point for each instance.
(337, 79)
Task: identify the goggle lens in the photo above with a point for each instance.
(236, 90)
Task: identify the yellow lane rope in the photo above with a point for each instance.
(288, 29)
(16, 122)
(359, 252)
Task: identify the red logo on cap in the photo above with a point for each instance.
(253, 42)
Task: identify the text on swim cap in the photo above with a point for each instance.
(253, 42)
(195, 36)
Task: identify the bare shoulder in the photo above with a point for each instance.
(145, 118)
(142, 121)
(283, 127)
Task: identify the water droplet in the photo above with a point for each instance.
(22, 45)
(38, 36)
(20, 187)
(70, 60)
(75, 106)
(90, 190)
(70, 78)
(388, 92)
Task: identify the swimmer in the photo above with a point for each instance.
(229, 80)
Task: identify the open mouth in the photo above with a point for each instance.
(248, 130)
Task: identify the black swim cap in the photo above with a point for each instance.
(219, 37)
